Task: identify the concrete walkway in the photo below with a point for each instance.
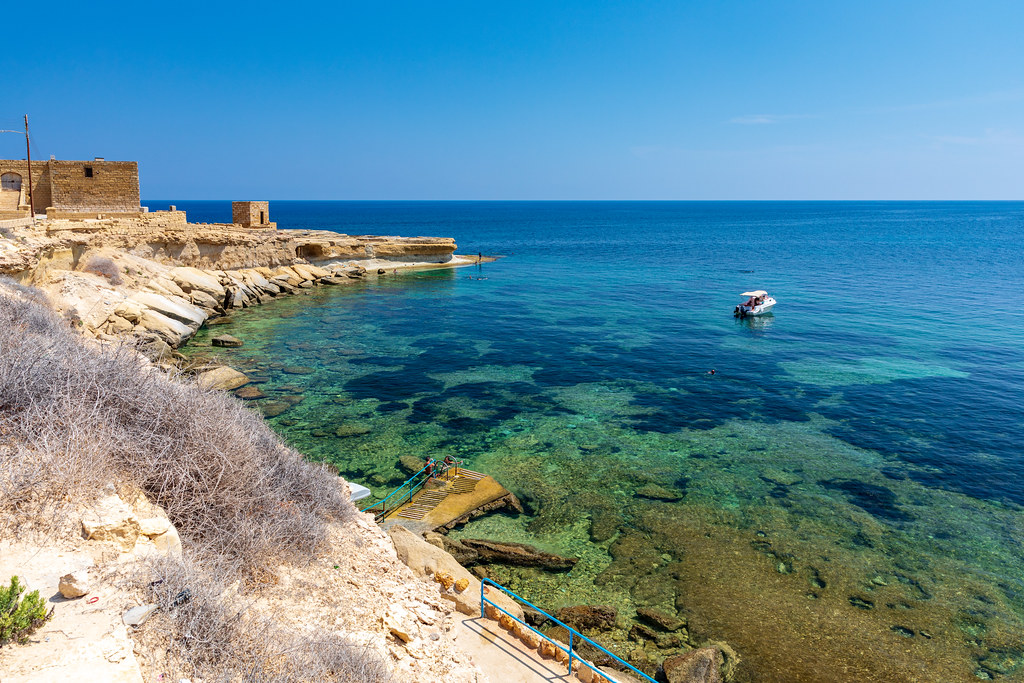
(502, 656)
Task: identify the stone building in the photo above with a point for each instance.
(70, 188)
(251, 214)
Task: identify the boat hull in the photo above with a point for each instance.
(742, 311)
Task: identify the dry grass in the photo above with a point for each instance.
(75, 416)
(101, 265)
(210, 633)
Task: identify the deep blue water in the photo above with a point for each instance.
(874, 419)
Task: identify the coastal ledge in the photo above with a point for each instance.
(159, 278)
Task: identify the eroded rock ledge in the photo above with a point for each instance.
(160, 278)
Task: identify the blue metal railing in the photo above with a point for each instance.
(573, 633)
(401, 500)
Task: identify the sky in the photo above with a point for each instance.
(580, 99)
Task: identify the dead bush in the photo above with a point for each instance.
(210, 633)
(102, 265)
(74, 416)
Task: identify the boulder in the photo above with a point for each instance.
(427, 560)
(226, 340)
(74, 585)
(588, 617)
(655, 617)
(129, 310)
(702, 665)
(110, 519)
(204, 300)
(170, 330)
(221, 378)
(117, 325)
(169, 542)
(517, 554)
(193, 278)
(179, 309)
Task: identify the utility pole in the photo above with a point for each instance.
(28, 153)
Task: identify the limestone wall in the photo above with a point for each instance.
(40, 179)
(94, 185)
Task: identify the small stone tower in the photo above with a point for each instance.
(252, 214)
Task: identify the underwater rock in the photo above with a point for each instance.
(227, 341)
(639, 633)
(603, 525)
(249, 393)
(702, 665)
(348, 430)
(588, 617)
(518, 554)
(633, 558)
(663, 621)
(297, 370)
(410, 464)
(274, 408)
(656, 492)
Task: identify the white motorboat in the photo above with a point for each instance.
(757, 303)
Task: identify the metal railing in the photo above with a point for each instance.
(573, 633)
(402, 498)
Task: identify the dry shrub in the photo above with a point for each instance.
(74, 416)
(205, 633)
(102, 265)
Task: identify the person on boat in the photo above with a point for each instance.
(751, 302)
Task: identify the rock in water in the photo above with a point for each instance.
(696, 666)
(588, 617)
(226, 340)
(656, 617)
(221, 378)
(249, 393)
(75, 584)
(518, 554)
(345, 431)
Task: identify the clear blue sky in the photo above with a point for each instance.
(529, 100)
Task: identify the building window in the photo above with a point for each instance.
(88, 171)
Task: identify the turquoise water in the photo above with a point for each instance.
(840, 501)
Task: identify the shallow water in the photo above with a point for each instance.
(842, 500)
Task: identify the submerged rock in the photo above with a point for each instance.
(274, 408)
(517, 554)
(221, 378)
(702, 665)
(348, 430)
(226, 340)
(656, 617)
(588, 617)
(656, 492)
(249, 393)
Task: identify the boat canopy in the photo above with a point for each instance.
(756, 292)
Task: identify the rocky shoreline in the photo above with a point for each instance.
(157, 284)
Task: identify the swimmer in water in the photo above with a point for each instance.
(711, 371)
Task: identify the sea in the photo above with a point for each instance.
(841, 500)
